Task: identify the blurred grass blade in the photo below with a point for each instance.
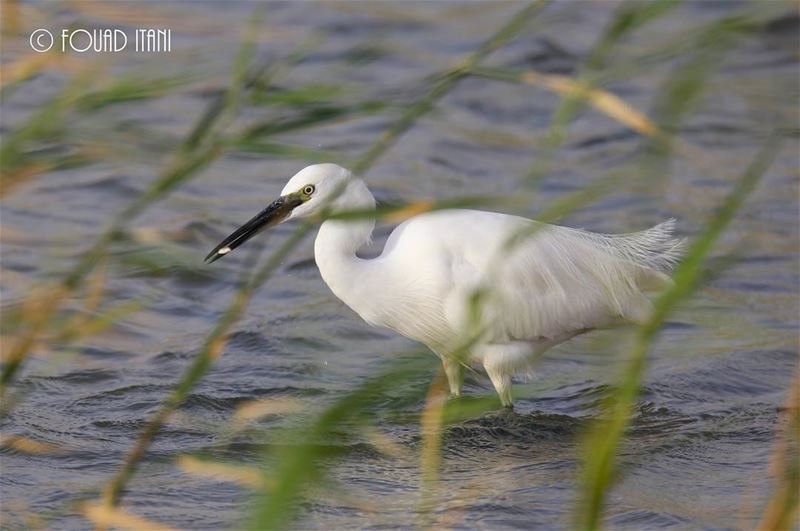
(223, 106)
(630, 16)
(211, 351)
(241, 475)
(781, 511)
(127, 90)
(309, 118)
(602, 442)
(27, 445)
(16, 164)
(280, 150)
(104, 517)
(431, 453)
(302, 465)
(28, 66)
(601, 100)
(447, 81)
(257, 409)
(186, 165)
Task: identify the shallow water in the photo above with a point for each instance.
(698, 452)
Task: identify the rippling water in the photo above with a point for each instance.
(698, 451)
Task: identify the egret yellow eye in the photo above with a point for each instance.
(308, 189)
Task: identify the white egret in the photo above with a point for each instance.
(550, 286)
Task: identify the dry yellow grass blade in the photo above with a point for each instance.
(249, 477)
(11, 181)
(609, 104)
(36, 310)
(33, 63)
(782, 509)
(257, 409)
(467, 495)
(217, 348)
(124, 14)
(431, 425)
(104, 516)
(26, 67)
(383, 443)
(130, 14)
(28, 446)
(335, 494)
(92, 321)
(9, 347)
(602, 100)
(409, 211)
(10, 16)
(617, 109)
(96, 288)
(21, 283)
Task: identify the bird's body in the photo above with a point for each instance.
(481, 286)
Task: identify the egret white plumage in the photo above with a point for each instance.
(448, 275)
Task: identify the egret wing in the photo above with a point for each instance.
(536, 281)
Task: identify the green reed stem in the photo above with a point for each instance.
(603, 441)
(212, 349)
(447, 81)
(185, 166)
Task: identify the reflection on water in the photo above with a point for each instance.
(699, 446)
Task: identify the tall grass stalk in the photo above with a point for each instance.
(447, 81)
(602, 443)
(781, 511)
(211, 351)
(185, 166)
(288, 472)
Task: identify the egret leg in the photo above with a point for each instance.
(502, 361)
(502, 384)
(455, 375)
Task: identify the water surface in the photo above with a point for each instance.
(698, 452)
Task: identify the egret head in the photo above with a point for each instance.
(314, 190)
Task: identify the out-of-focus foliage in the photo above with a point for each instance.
(48, 319)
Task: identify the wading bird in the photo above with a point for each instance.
(472, 285)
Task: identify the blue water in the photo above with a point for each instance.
(698, 452)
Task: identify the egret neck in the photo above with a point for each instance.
(338, 242)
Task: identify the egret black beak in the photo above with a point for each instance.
(276, 212)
